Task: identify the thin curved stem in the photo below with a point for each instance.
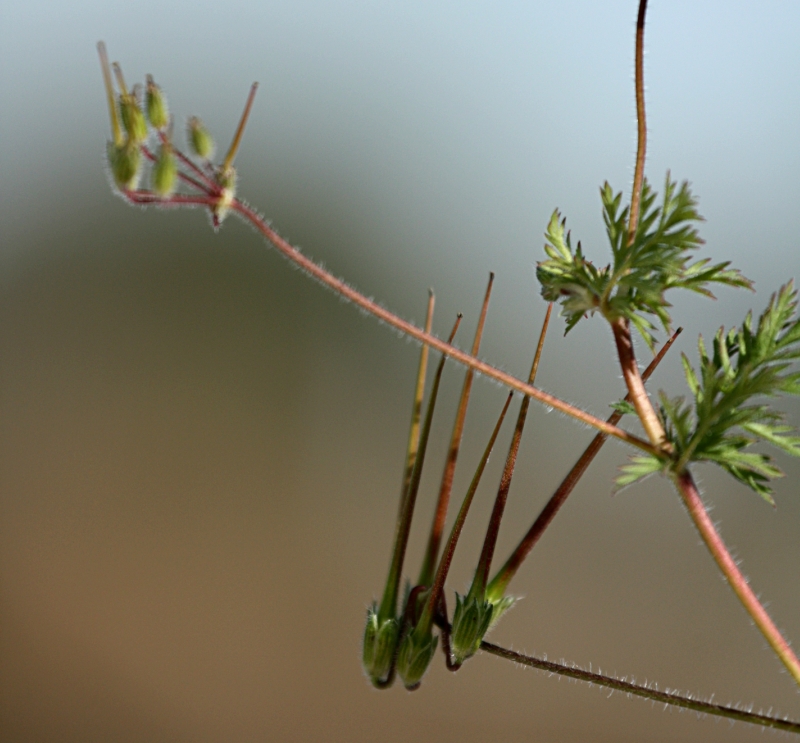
(627, 687)
(694, 504)
(381, 313)
(641, 145)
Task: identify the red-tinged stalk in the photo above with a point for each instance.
(709, 534)
(416, 410)
(499, 584)
(481, 578)
(443, 501)
(655, 431)
(388, 607)
(426, 620)
(381, 313)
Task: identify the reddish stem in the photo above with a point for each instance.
(694, 504)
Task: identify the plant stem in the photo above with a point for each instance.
(641, 146)
(633, 381)
(481, 578)
(443, 501)
(694, 504)
(664, 697)
(381, 313)
(497, 587)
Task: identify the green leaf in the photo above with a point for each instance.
(623, 407)
(637, 468)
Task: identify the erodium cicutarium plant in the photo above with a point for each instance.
(724, 417)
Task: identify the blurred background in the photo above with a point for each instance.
(201, 449)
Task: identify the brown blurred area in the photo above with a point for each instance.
(201, 455)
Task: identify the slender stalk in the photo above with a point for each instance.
(498, 585)
(388, 608)
(416, 410)
(694, 504)
(443, 501)
(641, 146)
(682, 478)
(646, 692)
(432, 604)
(490, 541)
(381, 313)
(636, 389)
(116, 129)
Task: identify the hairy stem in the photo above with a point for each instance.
(381, 313)
(641, 146)
(694, 504)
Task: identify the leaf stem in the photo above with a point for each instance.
(699, 515)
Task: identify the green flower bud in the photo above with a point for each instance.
(227, 181)
(125, 162)
(414, 657)
(133, 120)
(200, 140)
(165, 172)
(471, 621)
(380, 641)
(156, 104)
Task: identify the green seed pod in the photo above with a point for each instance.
(414, 657)
(132, 117)
(125, 162)
(165, 172)
(471, 621)
(156, 104)
(200, 140)
(380, 641)
(227, 181)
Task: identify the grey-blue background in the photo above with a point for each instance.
(201, 449)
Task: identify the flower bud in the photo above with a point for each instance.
(133, 120)
(414, 657)
(125, 162)
(200, 140)
(165, 172)
(156, 104)
(380, 641)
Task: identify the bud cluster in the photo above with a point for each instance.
(135, 119)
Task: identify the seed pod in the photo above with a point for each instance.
(380, 641)
(165, 172)
(471, 620)
(414, 657)
(133, 120)
(200, 140)
(125, 162)
(156, 104)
